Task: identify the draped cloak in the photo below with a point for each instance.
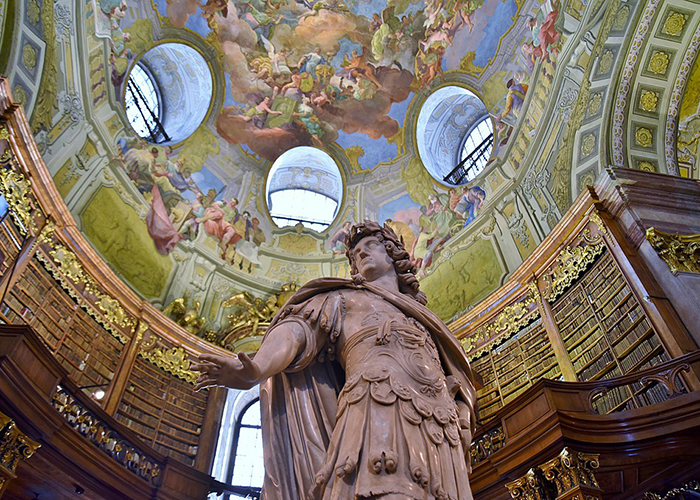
(299, 405)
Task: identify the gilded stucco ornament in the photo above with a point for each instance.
(14, 445)
(588, 144)
(674, 24)
(648, 100)
(174, 361)
(646, 166)
(509, 320)
(531, 486)
(571, 469)
(595, 103)
(643, 137)
(571, 263)
(19, 94)
(16, 189)
(29, 57)
(680, 253)
(658, 63)
(606, 61)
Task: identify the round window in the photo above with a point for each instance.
(454, 135)
(168, 93)
(304, 186)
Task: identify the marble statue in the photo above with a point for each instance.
(365, 392)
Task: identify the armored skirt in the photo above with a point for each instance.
(396, 429)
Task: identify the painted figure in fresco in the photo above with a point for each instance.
(515, 97)
(544, 34)
(388, 415)
(472, 201)
(258, 114)
(337, 242)
(439, 211)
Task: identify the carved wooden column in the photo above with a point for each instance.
(14, 445)
(572, 473)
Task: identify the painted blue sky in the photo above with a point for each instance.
(389, 209)
(491, 22)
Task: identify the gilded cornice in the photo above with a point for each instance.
(680, 253)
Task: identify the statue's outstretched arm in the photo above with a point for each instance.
(240, 372)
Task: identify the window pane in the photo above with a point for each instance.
(248, 469)
(290, 206)
(142, 106)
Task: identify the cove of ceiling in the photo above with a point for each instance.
(349, 78)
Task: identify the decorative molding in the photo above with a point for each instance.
(628, 72)
(14, 446)
(675, 493)
(572, 262)
(174, 361)
(674, 105)
(106, 439)
(680, 253)
(69, 270)
(511, 319)
(487, 444)
(529, 487)
(16, 189)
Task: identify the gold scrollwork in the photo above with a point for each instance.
(16, 189)
(571, 469)
(531, 486)
(107, 319)
(14, 444)
(174, 361)
(680, 253)
(508, 321)
(571, 263)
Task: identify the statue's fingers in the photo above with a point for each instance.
(212, 358)
(245, 360)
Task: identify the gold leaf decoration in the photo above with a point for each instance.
(674, 24)
(643, 137)
(174, 361)
(648, 100)
(16, 188)
(658, 63)
(572, 262)
(680, 253)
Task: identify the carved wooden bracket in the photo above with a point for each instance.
(532, 486)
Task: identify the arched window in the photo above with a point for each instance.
(247, 469)
(304, 186)
(238, 461)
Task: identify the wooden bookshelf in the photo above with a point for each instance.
(513, 366)
(607, 334)
(86, 350)
(164, 411)
(10, 243)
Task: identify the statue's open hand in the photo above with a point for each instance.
(237, 371)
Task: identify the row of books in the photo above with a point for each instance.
(641, 329)
(616, 399)
(639, 355)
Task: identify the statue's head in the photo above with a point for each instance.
(393, 244)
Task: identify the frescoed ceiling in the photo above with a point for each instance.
(189, 217)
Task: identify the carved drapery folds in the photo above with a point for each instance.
(568, 476)
(680, 253)
(14, 446)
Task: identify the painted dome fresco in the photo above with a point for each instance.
(161, 120)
